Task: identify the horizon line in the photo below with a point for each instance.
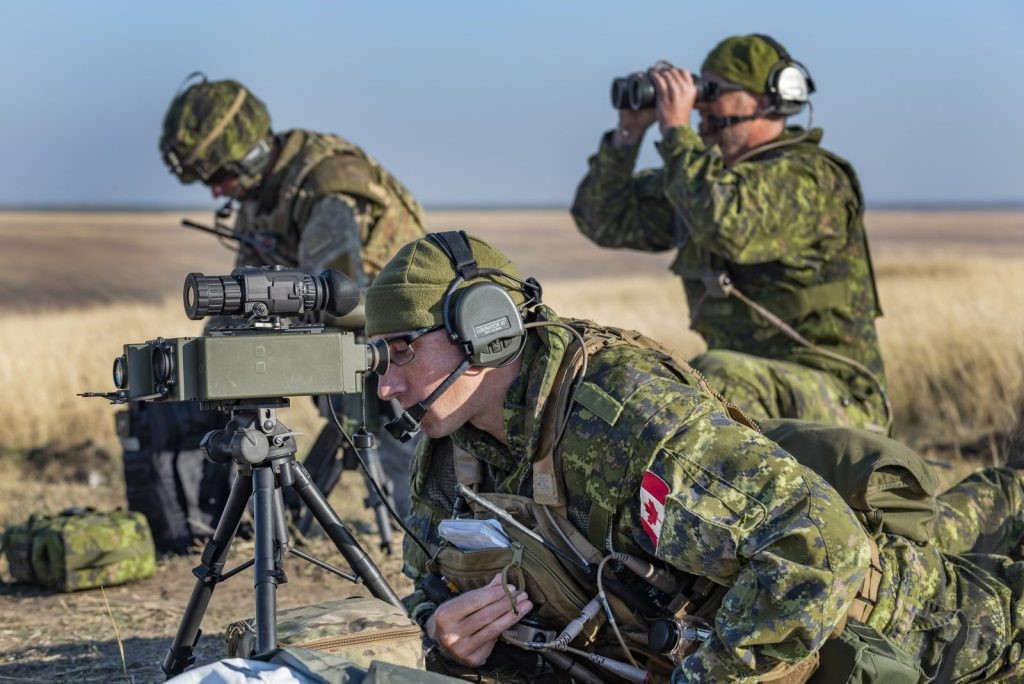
(130, 207)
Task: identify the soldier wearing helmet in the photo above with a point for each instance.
(317, 199)
(308, 200)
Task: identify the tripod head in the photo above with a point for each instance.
(252, 436)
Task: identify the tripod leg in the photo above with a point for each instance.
(207, 575)
(326, 485)
(266, 570)
(343, 540)
(376, 471)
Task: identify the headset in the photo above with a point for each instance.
(482, 319)
(789, 83)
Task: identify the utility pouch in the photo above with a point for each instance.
(556, 596)
(860, 655)
(81, 549)
(361, 629)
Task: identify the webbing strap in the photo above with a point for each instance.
(789, 306)
(548, 481)
(597, 525)
(236, 105)
(867, 595)
(468, 469)
(455, 244)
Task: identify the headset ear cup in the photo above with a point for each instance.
(790, 88)
(488, 324)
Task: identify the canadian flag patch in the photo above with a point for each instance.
(653, 493)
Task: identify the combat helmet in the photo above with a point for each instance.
(216, 128)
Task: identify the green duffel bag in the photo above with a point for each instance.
(360, 629)
(17, 543)
(81, 549)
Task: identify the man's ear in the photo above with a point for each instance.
(763, 102)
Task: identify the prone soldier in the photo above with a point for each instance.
(624, 456)
(768, 226)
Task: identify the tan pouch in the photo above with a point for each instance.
(361, 629)
(557, 598)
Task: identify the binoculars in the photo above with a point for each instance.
(638, 92)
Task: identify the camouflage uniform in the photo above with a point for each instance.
(312, 201)
(984, 513)
(739, 510)
(786, 227)
(327, 204)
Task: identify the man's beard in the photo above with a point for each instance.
(732, 140)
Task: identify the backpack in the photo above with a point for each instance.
(167, 478)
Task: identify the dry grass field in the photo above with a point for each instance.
(77, 286)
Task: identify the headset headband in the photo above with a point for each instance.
(775, 45)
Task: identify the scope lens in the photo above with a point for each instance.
(120, 373)
(163, 365)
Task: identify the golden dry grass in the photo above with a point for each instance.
(953, 343)
(951, 285)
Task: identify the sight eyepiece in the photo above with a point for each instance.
(262, 292)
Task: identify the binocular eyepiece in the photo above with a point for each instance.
(637, 91)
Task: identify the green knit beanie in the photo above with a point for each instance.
(743, 60)
(409, 292)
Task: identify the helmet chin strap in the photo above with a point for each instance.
(407, 424)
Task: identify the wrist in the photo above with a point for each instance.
(627, 137)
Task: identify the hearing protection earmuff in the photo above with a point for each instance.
(482, 318)
(789, 84)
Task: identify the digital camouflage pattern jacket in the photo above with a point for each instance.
(786, 225)
(655, 467)
(328, 204)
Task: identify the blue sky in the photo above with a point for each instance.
(476, 103)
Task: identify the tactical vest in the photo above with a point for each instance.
(399, 216)
(834, 307)
(889, 487)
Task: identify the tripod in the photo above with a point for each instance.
(264, 452)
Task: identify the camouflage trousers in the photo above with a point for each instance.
(956, 605)
(983, 513)
(769, 388)
(960, 617)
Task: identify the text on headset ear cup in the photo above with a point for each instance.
(488, 324)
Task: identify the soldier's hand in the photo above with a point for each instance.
(468, 626)
(632, 125)
(677, 95)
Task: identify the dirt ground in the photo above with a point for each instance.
(54, 637)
